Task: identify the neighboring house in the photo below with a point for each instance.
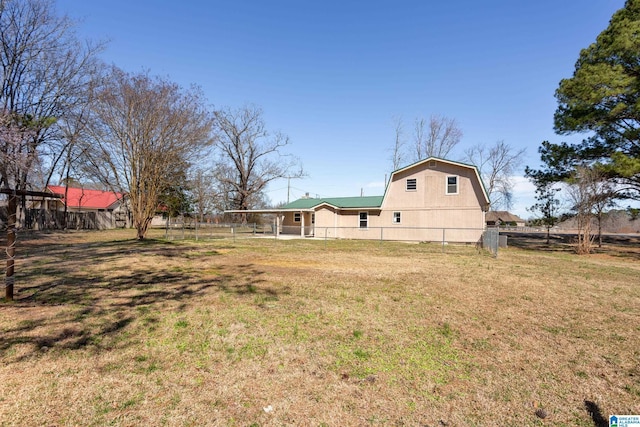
(431, 200)
(87, 208)
(503, 218)
(161, 217)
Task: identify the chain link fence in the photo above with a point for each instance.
(488, 239)
(194, 230)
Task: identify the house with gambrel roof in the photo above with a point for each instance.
(421, 201)
(431, 200)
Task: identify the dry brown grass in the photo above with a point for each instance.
(110, 331)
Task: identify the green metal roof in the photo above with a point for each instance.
(339, 202)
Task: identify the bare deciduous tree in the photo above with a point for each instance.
(45, 71)
(147, 131)
(590, 194)
(433, 138)
(71, 148)
(579, 190)
(436, 140)
(397, 154)
(419, 139)
(497, 165)
(203, 189)
(249, 156)
(605, 197)
(15, 135)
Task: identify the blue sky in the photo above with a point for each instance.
(333, 75)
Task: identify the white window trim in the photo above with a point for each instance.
(359, 220)
(446, 185)
(299, 215)
(393, 218)
(406, 186)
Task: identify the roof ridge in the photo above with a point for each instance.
(339, 202)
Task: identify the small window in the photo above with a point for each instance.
(296, 217)
(452, 185)
(396, 217)
(364, 220)
(412, 184)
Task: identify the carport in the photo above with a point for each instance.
(279, 217)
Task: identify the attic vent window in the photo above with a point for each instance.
(412, 184)
(432, 164)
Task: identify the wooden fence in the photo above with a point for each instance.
(42, 219)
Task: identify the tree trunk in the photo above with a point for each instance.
(599, 229)
(548, 232)
(11, 245)
(142, 228)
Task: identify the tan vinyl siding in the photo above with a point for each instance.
(418, 193)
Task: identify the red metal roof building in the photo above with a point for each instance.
(86, 199)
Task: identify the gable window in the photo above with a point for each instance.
(412, 184)
(364, 219)
(396, 218)
(452, 185)
(296, 217)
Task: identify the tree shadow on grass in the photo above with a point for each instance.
(63, 304)
(595, 414)
(538, 242)
(624, 246)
